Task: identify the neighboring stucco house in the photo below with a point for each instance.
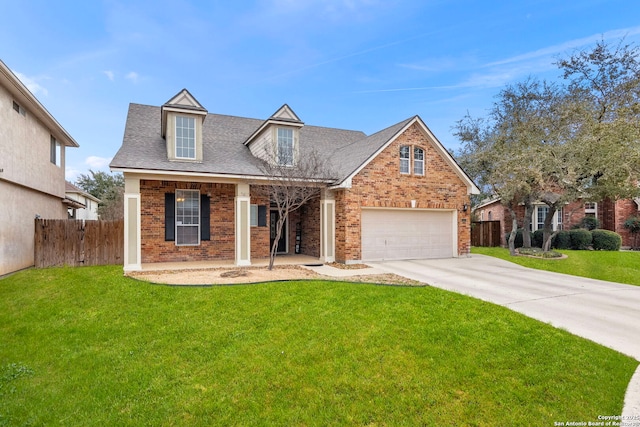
(611, 215)
(82, 205)
(32, 180)
(191, 180)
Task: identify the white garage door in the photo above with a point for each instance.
(407, 234)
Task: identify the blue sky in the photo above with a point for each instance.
(352, 64)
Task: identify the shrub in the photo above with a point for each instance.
(536, 238)
(537, 252)
(605, 240)
(518, 241)
(580, 239)
(633, 225)
(590, 223)
(562, 240)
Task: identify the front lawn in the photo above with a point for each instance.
(621, 267)
(87, 346)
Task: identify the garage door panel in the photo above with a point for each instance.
(406, 234)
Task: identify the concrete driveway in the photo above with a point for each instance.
(605, 312)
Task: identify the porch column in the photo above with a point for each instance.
(132, 246)
(243, 225)
(327, 226)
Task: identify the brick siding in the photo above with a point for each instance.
(156, 249)
(380, 184)
(611, 214)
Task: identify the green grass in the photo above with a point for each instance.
(87, 346)
(621, 267)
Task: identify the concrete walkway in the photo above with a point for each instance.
(605, 312)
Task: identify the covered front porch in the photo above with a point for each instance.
(232, 225)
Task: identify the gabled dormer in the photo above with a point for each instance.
(277, 139)
(182, 120)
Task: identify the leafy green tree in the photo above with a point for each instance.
(604, 110)
(109, 188)
(508, 153)
(633, 225)
(559, 143)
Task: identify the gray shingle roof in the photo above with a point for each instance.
(143, 146)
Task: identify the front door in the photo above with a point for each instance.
(282, 243)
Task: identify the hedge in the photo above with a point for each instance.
(576, 239)
(580, 239)
(518, 242)
(605, 240)
(562, 240)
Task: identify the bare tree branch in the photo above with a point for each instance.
(289, 187)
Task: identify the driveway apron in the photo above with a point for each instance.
(605, 312)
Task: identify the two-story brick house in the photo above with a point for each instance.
(611, 215)
(191, 181)
(32, 174)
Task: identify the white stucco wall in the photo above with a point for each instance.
(26, 146)
(29, 183)
(17, 224)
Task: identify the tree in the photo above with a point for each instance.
(558, 143)
(112, 205)
(604, 93)
(508, 152)
(106, 187)
(633, 225)
(289, 187)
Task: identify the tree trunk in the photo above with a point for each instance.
(526, 225)
(514, 231)
(274, 247)
(547, 231)
(546, 246)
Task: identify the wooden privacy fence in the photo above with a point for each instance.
(75, 243)
(485, 233)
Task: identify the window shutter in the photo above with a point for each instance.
(169, 216)
(205, 217)
(262, 216)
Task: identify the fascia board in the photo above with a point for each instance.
(164, 175)
(268, 123)
(23, 96)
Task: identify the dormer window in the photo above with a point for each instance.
(276, 140)
(185, 137)
(182, 121)
(285, 147)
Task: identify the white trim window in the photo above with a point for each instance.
(187, 217)
(185, 137)
(418, 161)
(540, 214)
(405, 159)
(285, 147)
